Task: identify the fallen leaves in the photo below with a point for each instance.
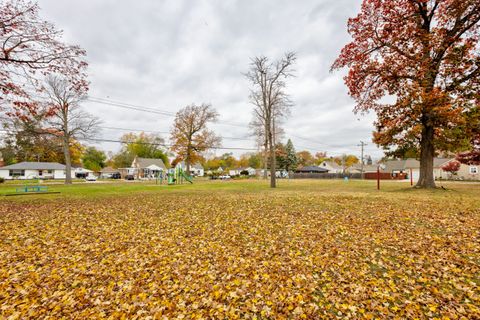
(251, 256)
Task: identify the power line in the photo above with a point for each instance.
(152, 110)
(164, 132)
(162, 144)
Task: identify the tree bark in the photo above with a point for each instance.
(187, 162)
(265, 163)
(427, 153)
(273, 177)
(68, 161)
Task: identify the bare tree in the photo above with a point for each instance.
(190, 135)
(65, 117)
(271, 102)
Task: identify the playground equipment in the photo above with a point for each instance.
(175, 176)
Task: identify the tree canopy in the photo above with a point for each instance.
(190, 135)
(425, 54)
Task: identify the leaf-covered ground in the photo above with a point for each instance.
(292, 253)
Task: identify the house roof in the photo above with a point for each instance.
(35, 166)
(439, 162)
(146, 162)
(332, 164)
(109, 170)
(312, 169)
(366, 167)
(244, 169)
(197, 166)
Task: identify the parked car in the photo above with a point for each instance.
(91, 178)
(129, 177)
(116, 176)
(224, 177)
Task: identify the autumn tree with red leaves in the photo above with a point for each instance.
(425, 54)
(30, 49)
(451, 167)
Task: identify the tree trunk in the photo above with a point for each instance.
(273, 177)
(68, 161)
(187, 161)
(427, 153)
(265, 162)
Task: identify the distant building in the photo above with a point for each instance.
(412, 166)
(195, 169)
(144, 168)
(311, 169)
(331, 166)
(108, 172)
(367, 168)
(35, 170)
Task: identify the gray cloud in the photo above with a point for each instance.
(167, 54)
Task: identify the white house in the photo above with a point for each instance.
(195, 169)
(238, 171)
(146, 168)
(34, 170)
(331, 166)
(80, 172)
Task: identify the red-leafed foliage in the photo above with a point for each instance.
(451, 166)
(473, 156)
(30, 49)
(426, 55)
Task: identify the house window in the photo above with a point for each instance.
(473, 170)
(40, 173)
(17, 173)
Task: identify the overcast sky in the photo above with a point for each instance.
(168, 54)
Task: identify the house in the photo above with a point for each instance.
(109, 172)
(311, 169)
(34, 170)
(367, 168)
(331, 166)
(407, 167)
(233, 172)
(195, 169)
(146, 168)
(466, 172)
(79, 172)
(247, 171)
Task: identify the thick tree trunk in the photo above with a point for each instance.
(427, 153)
(68, 161)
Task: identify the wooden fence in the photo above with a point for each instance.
(367, 176)
(327, 175)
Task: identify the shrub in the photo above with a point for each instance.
(2, 180)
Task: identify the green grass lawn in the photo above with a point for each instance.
(237, 249)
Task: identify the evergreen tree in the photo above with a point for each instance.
(291, 161)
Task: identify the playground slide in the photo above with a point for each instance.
(188, 178)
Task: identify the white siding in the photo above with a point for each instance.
(4, 174)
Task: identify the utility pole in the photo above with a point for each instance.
(362, 145)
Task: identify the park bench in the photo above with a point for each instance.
(35, 189)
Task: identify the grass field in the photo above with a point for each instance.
(310, 249)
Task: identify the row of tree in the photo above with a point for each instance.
(424, 54)
(43, 82)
